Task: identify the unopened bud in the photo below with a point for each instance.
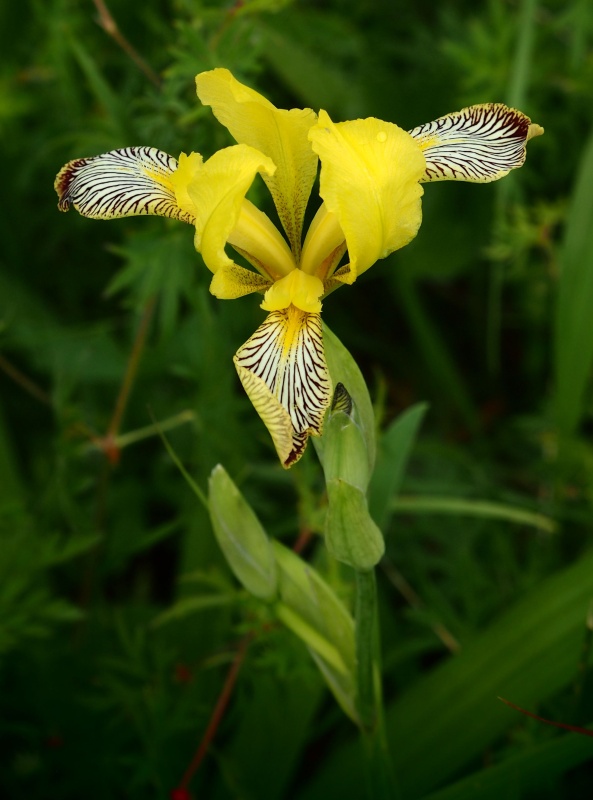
(345, 455)
(241, 537)
(351, 535)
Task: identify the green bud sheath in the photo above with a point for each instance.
(241, 537)
(345, 453)
(343, 369)
(310, 608)
(351, 535)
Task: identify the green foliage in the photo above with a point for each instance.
(29, 609)
(120, 618)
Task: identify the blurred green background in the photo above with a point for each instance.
(119, 618)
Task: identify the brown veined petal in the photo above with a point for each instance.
(479, 144)
(283, 370)
(122, 183)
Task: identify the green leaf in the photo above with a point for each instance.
(299, 65)
(574, 316)
(450, 717)
(101, 89)
(473, 508)
(395, 447)
(188, 606)
(523, 774)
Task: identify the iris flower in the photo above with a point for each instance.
(370, 186)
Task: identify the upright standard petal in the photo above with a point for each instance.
(324, 244)
(217, 191)
(123, 183)
(370, 172)
(257, 238)
(282, 368)
(479, 144)
(280, 134)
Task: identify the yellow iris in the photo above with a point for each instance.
(370, 206)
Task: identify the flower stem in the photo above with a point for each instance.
(380, 778)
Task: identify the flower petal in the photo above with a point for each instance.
(479, 144)
(370, 171)
(324, 244)
(282, 368)
(234, 281)
(257, 239)
(297, 289)
(217, 191)
(280, 134)
(123, 183)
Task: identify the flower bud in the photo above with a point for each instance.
(241, 537)
(345, 454)
(343, 369)
(310, 608)
(351, 535)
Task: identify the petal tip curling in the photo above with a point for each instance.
(63, 182)
(534, 130)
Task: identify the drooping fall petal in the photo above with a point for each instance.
(280, 134)
(479, 144)
(282, 368)
(370, 172)
(129, 182)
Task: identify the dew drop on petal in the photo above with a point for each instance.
(382, 136)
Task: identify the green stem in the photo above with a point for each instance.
(366, 646)
(380, 779)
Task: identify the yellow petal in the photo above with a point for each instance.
(234, 281)
(282, 368)
(297, 289)
(122, 183)
(280, 134)
(217, 191)
(324, 239)
(257, 238)
(370, 171)
(478, 144)
(188, 169)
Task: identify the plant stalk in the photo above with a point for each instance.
(380, 778)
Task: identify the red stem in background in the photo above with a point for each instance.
(563, 725)
(110, 27)
(218, 713)
(25, 383)
(181, 792)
